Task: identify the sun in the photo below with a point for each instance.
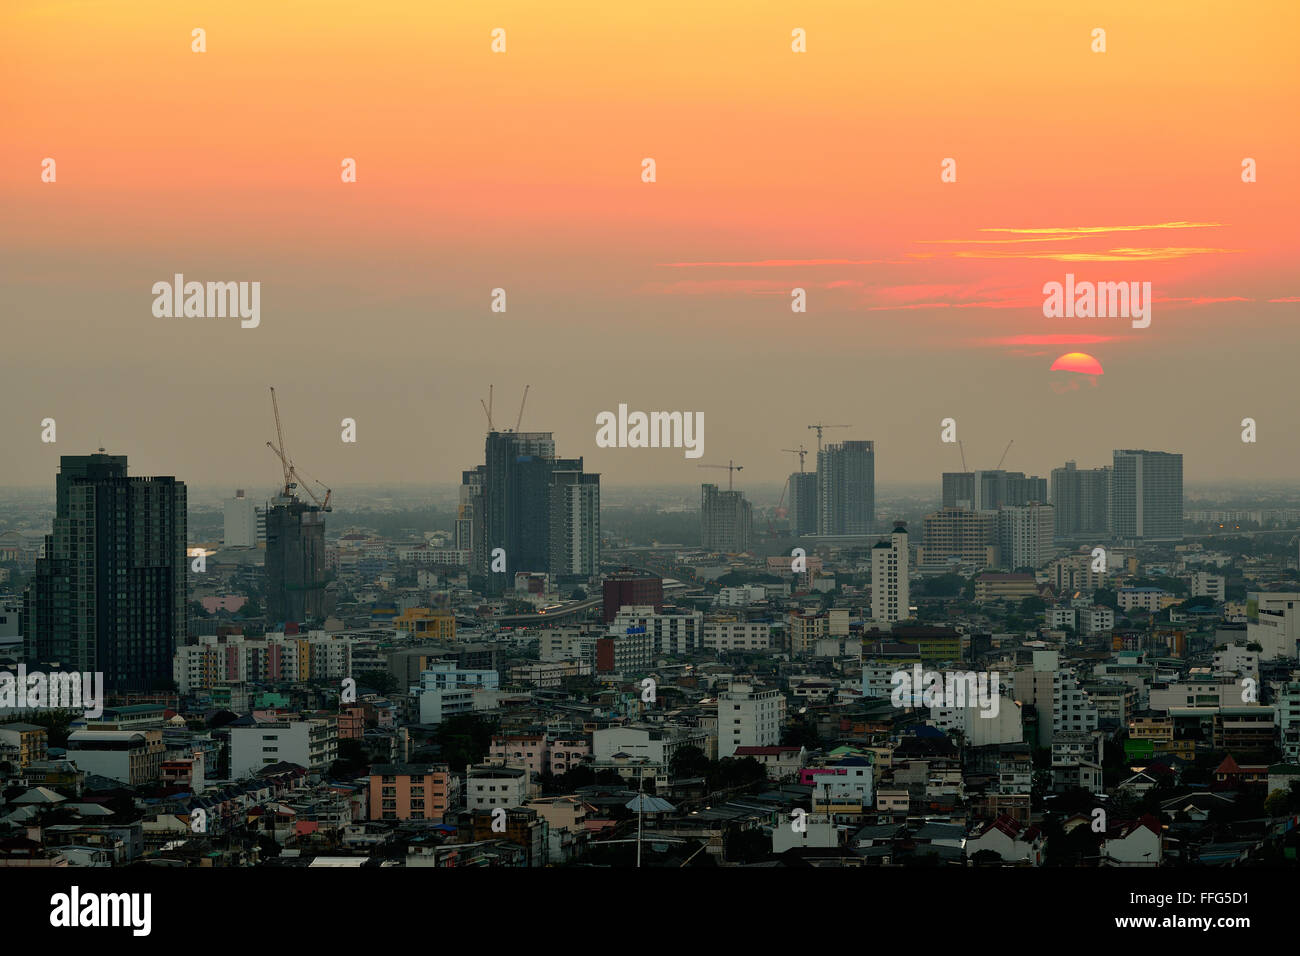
(1080, 362)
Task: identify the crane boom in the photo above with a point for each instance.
(279, 436)
(520, 420)
(1004, 453)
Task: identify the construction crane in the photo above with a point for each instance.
(731, 467)
(520, 420)
(487, 409)
(961, 448)
(801, 452)
(1004, 454)
(819, 426)
(292, 478)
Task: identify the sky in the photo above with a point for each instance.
(522, 170)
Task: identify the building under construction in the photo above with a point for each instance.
(296, 576)
(295, 561)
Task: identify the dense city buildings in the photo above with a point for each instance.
(368, 695)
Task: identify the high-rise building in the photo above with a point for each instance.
(726, 520)
(890, 597)
(541, 512)
(470, 522)
(846, 488)
(1082, 501)
(296, 573)
(575, 523)
(959, 490)
(109, 595)
(1025, 536)
(749, 717)
(991, 490)
(1146, 495)
(803, 502)
(245, 523)
(959, 536)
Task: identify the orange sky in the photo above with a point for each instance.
(522, 170)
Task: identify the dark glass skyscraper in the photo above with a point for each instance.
(543, 512)
(109, 595)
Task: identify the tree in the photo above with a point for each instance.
(689, 761)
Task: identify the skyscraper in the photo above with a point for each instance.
(110, 593)
(726, 520)
(543, 512)
(295, 562)
(890, 596)
(575, 522)
(803, 502)
(1082, 501)
(846, 488)
(1146, 495)
(991, 490)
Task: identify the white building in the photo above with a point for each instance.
(741, 596)
(1142, 599)
(671, 632)
(1096, 619)
(1204, 584)
(737, 636)
(749, 717)
(245, 523)
(980, 727)
(310, 743)
(890, 597)
(1025, 535)
(487, 788)
(1276, 625)
(1236, 661)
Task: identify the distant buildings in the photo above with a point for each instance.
(726, 520)
(524, 509)
(959, 536)
(991, 490)
(245, 523)
(803, 502)
(1082, 501)
(1146, 499)
(1025, 535)
(846, 488)
(110, 593)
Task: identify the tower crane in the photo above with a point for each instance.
(292, 478)
(731, 467)
(819, 426)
